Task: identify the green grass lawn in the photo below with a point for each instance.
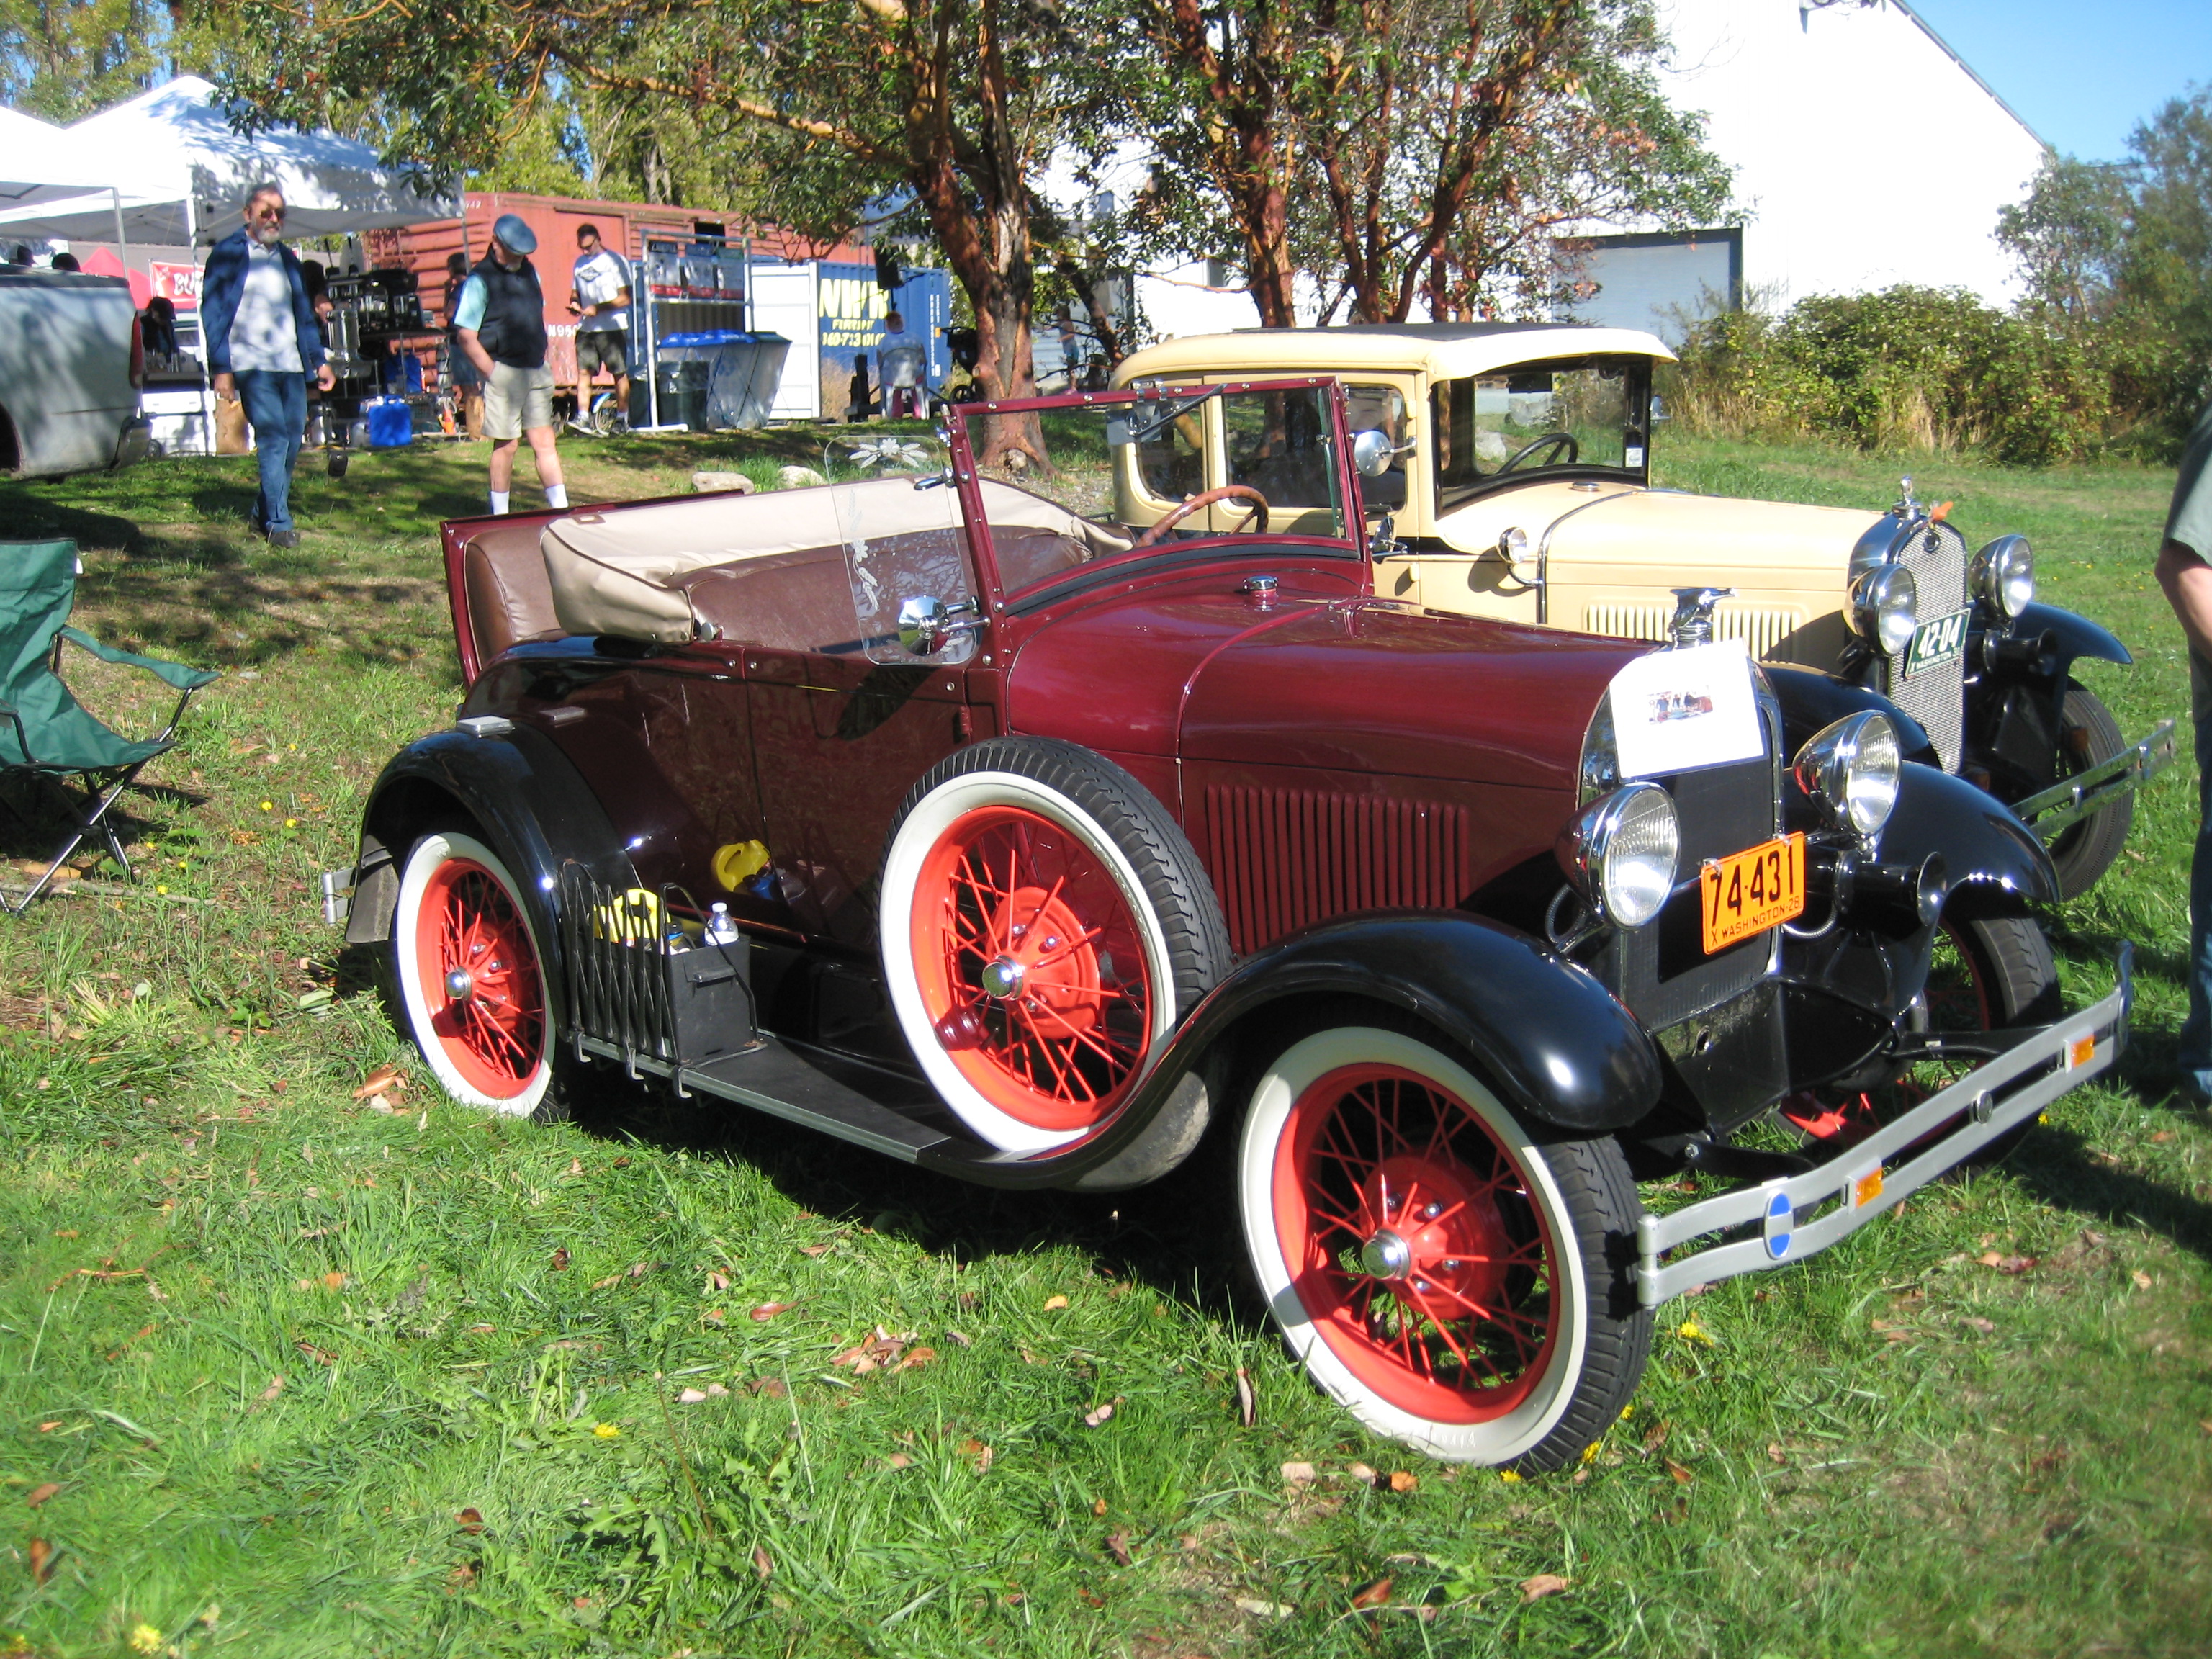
(286, 1372)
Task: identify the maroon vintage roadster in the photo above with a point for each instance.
(1035, 821)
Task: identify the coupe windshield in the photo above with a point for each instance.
(1572, 416)
(1123, 478)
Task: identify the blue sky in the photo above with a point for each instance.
(2083, 73)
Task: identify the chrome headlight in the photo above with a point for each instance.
(1885, 608)
(1619, 853)
(2004, 576)
(1851, 769)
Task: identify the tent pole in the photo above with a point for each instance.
(207, 386)
(122, 247)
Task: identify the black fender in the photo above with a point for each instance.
(1561, 1051)
(520, 791)
(2070, 636)
(1812, 700)
(1994, 863)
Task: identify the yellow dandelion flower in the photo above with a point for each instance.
(607, 1431)
(1590, 1451)
(1509, 1477)
(1690, 1331)
(158, 888)
(1628, 1411)
(268, 805)
(144, 1639)
(291, 823)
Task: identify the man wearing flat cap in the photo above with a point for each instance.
(500, 321)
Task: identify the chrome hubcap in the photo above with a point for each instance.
(460, 985)
(1002, 977)
(1386, 1256)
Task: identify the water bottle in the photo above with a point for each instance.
(720, 929)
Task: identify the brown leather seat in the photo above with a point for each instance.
(503, 579)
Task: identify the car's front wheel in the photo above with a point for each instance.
(470, 980)
(1456, 1283)
(2087, 736)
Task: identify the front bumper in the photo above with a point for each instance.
(2071, 799)
(1873, 1175)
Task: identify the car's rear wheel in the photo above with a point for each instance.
(1044, 925)
(1458, 1285)
(2088, 736)
(471, 978)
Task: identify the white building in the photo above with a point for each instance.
(1867, 153)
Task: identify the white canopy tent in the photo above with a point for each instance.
(179, 175)
(39, 163)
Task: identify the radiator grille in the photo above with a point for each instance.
(1935, 696)
(1281, 859)
(1761, 631)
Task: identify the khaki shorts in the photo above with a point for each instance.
(516, 400)
(601, 349)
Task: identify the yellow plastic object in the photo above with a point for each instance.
(633, 918)
(738, 861)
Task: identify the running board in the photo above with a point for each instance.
(792, 1081)
(2088, 793)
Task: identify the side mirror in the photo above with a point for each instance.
(1371, 452)
(927, 624)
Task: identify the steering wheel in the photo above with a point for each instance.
(1550, 440)
(1256, 519)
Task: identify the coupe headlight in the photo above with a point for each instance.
(1621, 852)
(2004, 576)
(1885, 608)
(1850, 770)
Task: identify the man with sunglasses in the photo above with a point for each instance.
(262, 345)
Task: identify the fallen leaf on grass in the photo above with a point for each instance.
(717, 1281)
(774, 1387)
(2161, 1137)
(1892, 1333)
(690, 1397)
(1377, 1595)
(915, 1360)
(469, 1519)
(1248, 1404)
(2142, 1279)
(38, 1495)
(1362, 1473)
(1054, 1302)
(714, 1316)
(382, 1078)
(275, 1387)
(1099, 1507)
(575, 1166)
(763, 1563)
(1682, 1476)
(601, 1284)
(482, 1330)
(1300, 1474)
(961, 1337)
(1101, 1413)
(878, 1351)
(334, 1281)
(1543, 1584)
(42, 1560)
(1775, 1453)
(1402, 1481)
(816, 1249)
(768, 1310)
(1976, 1322)
(1265, 1609)
(898, 1459)
(560, 1260)
(1117, 1546)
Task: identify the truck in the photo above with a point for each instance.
(72, 360)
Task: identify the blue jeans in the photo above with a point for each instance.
(2196, 1048)
(277, 409)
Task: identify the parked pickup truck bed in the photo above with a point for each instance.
(71, 362)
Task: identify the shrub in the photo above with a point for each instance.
(1905, 368)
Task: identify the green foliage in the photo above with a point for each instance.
(1905, 368)
(2117, 259)
(63, 59)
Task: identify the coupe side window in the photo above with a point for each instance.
(1539, 417)
(1381, 408)
(1171, 461)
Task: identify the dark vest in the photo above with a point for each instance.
(513, 327)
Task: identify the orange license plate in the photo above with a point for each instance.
(1753, 890)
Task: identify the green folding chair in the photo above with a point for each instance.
(44, 732)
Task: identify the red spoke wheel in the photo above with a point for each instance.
(1032, 969)
(1044, 924)
(471, 982)
(1438, 1271)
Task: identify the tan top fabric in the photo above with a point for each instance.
(627, 571)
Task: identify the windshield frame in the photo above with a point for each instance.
(1448, 497)
(1163, 558)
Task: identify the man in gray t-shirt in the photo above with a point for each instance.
(2184, 571)
(599, 295)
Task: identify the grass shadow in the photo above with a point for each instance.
(2059, 1167)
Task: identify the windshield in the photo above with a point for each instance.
(1123, 478)
(1575, 415)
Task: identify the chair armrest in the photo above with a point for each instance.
(175, 673)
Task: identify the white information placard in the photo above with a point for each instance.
(1677, 710)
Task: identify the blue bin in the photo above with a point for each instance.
(390, 424)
